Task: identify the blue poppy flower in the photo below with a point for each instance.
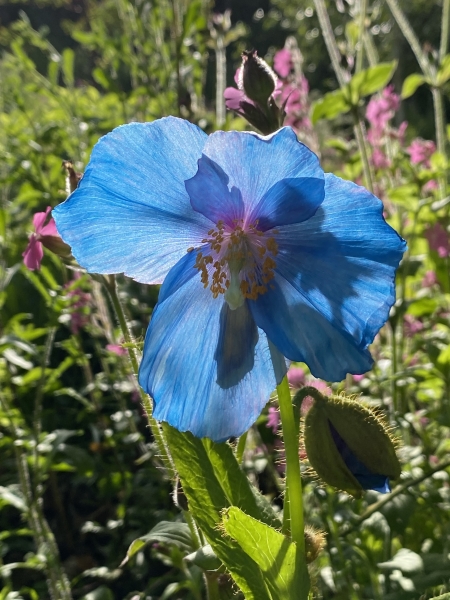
(262, 257)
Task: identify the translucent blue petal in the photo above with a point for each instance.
(365, 477)
(340, 264)
(303, 334)
(207, 368)
(131, 212)
(257, 164)
(210, 195)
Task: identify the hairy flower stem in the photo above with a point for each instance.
(293, 476)
(110, 284)
(444, 30)
(362, 30)
(221, 76)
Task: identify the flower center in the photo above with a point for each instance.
(238, 261)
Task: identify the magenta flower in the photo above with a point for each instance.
(438, 241)
(296, 377)
(381, 110)
(116, 349)
(273, 419)
(411, 326)
(379, 159)
(420, 151)
(282, 62)
(46, 235)
(429, 279)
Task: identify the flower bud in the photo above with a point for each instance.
(349, 446)
(55, 244)
(256, 78)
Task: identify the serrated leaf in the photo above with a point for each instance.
(207, 499)
(330, 106)
(236, 486)
(411, 83)
(274, 553)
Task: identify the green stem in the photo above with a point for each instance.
(439, 122)
(212, 586)
(293, 478)
(360, 138)
(410, 36)
(110, 284)
(330, 41)
(221, 76)
(362, 29)
(444, 29)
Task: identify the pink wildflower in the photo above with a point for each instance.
(296, 377)
(379, 159)
(43, 235)
(358, 378)
(420, 151)
(429, 279)
(411, 326)
(438, 241)
(381, 110)
(116, 349)
(430, 186)
(282, 62)
(79, 307)
(273, 419)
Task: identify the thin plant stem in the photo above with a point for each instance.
(439, 122)
(410, 36)
(293, 477)
(110, 284)
(333, 51)
(362, 29)
(221, 76)
(444, 29)
(330, 41)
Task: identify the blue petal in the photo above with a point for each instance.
(209, 193)
(131, 212)
(366, 478)
(340, 264)
(303, 334)
(257, 164)
(207, 368)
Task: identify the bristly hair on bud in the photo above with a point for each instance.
(349, 446)
(256, 78)
(314, 542)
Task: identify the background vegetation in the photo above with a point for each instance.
(80, 478)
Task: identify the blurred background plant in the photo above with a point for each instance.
(86, 508)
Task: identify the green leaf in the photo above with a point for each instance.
(68, 59)
(206, 500)
(274, 553)
(12, 497)
(166, 532)
(101, 593)
(407, 561)
(443, 75)
(411, 83)
(205, 558)
(371, 80)
(236, 486)
(330, 106)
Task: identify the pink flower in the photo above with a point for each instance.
(358, 378)
(420, 151)
(116, 349)
(381, 110)
(296, 377)
(282, 62)
(429, 279)
(273, 419)
(430, 186)
(438, 241)
(34, 252)
(411, 325)
(379, 159)
(79, 308)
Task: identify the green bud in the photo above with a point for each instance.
(256, 79)
(55, 244)
(349, 445)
